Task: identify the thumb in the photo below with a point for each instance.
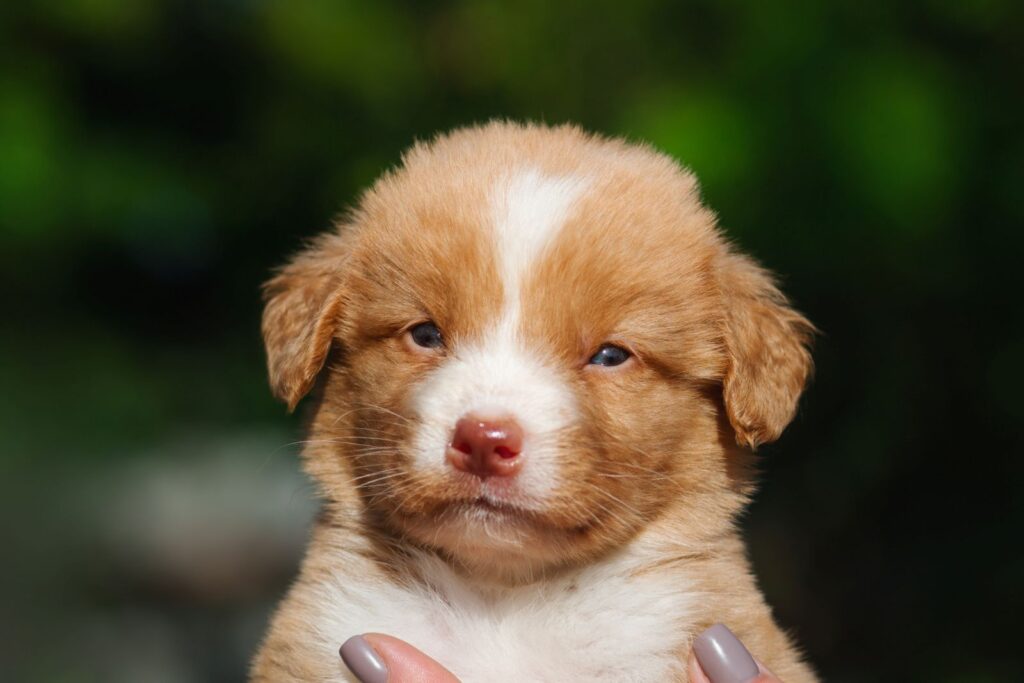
(376, 658)
(718, 656)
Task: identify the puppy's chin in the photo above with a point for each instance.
(490, 528)
(494, 539)
(499, 527)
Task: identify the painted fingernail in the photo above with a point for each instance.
(723, 657)
(363, 661)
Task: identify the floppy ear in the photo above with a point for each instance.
(769, 359)
(303, 306)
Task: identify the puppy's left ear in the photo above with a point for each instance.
(304, 302)
(769, 357)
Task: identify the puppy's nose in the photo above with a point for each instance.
(486, 447)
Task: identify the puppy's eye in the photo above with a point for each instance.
(426, 335)
(610, 355)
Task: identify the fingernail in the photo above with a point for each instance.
(723, 657)
(363, 661)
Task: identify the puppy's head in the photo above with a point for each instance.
(533, 343)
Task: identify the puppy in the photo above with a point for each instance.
(541, 375)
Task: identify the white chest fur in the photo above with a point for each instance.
(601, 623)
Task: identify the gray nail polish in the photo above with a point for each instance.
(723, 657)
(363, 661)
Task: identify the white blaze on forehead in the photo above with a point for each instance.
(528, 210)
(500, 375)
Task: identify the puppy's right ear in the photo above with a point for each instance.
(304, 302)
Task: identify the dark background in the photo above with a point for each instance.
(157, 158)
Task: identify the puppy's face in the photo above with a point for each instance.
(540, 345)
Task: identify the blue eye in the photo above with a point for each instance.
(610, 355)
(427, 335)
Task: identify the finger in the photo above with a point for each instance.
(697, 674)
(377, 658)
(766, 675)
(720, 657)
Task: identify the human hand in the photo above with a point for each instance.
(717, 657)
(376, 658)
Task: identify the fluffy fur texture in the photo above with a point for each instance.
(529, 247)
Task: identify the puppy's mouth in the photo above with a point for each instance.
(485, 509)
(484, 504)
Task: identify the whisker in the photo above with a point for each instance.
(611, 475)
(619, 501)
(379, 450)
(375, 473)
(363, 428)
(350, 439)
(380, 479)
(386, 410)
(343, 416)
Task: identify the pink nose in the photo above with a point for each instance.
(486, 448)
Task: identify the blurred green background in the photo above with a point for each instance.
(158, 158)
